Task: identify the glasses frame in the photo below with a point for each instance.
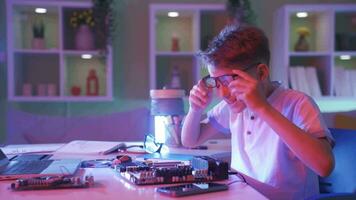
(153, 141)
(218, 79)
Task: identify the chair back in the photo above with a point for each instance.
(343, 178)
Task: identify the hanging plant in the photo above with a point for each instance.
(240, 12)
(103, 14)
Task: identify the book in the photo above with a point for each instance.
(313, 81)
(293, 78)
(353, 83)
(342, 82)
(302, 80)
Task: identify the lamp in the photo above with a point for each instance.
(167, 109)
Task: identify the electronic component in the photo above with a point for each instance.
(216, 168)
(191, 189)
(199, 169)
(53, 182)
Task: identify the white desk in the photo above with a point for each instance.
(110, 186)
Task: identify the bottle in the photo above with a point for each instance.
(92, 84)
(175, 43)
(175, 79)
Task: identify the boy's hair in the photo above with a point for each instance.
(243, 45)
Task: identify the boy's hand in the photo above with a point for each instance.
(248, 90)
(199, 97)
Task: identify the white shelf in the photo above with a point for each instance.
(79, 52)
(58, 67)
(325, 22)
(173, 53)
(37, 51)
(60, 99)
(309, 53)
(336, 104)
(195, 26)
(339, 53)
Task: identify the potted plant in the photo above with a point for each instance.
(38, 30)
(240, 12)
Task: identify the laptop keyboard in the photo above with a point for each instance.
(28, 167)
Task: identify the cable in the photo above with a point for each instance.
(242, 178)
(237, 181)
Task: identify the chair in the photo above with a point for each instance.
(341, 183)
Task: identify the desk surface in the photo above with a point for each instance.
(110, 186)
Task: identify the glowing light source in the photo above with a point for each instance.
(86, 56)
(173, 14)
(41, 10)
(302, 14)
(345, 57)
(160, 129)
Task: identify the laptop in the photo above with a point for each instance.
(15, 169)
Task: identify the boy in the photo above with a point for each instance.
(278, 138)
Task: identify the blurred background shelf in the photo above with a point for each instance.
(322, 37)
(177, 33)
(45, 59)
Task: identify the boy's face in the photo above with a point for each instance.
(223, 77)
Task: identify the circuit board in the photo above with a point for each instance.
(199, 169)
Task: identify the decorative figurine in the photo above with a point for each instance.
(302, 43)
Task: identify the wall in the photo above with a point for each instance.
(2, 72)
(131, 59)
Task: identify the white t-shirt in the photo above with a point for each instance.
(259, 153)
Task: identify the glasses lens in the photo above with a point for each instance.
(209, 82)
(225, 80)
(150, 145)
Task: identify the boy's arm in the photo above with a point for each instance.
(195, 131)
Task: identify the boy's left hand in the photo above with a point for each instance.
(249, 90)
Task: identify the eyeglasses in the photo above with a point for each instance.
(212, 82)
(150, 144)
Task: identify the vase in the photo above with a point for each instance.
(302, 44)
(27, 89)
(84, 38)
(38, 43)
(75, 90)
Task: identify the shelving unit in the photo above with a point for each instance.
(332, 35)
(194, 27)
(56, 70)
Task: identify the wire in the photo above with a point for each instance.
(242, 178)
(237, 181)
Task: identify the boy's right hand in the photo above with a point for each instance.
(199, 97)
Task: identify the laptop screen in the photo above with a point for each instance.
(3, 159)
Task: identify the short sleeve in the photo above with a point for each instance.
(219, 117)
(307, 117)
